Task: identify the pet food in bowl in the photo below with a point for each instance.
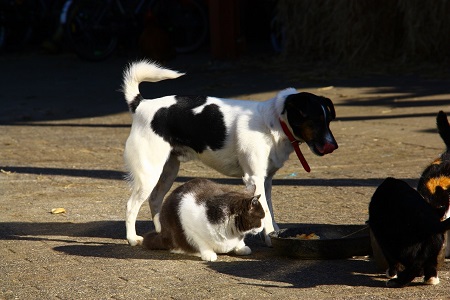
(322, 241)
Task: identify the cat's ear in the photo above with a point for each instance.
(251, 188)
(254, 201)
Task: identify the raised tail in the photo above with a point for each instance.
(138, 72)
(443, 128)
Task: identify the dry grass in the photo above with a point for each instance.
(367, 31)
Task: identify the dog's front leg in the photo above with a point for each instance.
(260, 190)
(268, 190)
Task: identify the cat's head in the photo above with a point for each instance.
(251, 219)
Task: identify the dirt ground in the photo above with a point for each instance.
(63, 127)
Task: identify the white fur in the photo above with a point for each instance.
(389, 276)
(432, 281)
(144, 71)
(157, 223)
(255, 148)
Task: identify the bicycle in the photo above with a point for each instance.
(94, 28)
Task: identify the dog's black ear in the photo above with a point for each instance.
(327, 102)
(294, 103)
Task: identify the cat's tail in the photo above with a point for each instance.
(153, 241)
(138, 72)
(443, 128)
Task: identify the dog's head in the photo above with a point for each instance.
(309, 117)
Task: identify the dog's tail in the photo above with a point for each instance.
(153, 241)
(138, 72)
(443, 128)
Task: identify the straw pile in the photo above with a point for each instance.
(366, 31)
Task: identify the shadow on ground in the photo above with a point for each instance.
(263, 264)
(118, 175)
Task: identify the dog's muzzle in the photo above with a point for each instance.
(329, 147)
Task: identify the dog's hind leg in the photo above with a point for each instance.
(144, 188)
(145, 168)
(138, 196)
(166, 179)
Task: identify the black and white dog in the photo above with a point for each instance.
(237, 138)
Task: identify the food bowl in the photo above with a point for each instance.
(335, 241)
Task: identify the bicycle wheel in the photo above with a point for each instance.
(186, 21)
(90, 29)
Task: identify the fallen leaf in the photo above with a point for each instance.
(59, 210)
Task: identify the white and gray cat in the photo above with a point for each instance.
(204, 218)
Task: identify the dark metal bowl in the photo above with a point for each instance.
(336, 241)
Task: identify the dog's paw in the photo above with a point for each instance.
(208, 255)
(431, 280)
(135, 241)
(243, 251)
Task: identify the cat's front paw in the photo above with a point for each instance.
(135, 241)
(157, 223)
(391, 273)
(208, 255)
(431, 280)
(243, 251)
(395, 283)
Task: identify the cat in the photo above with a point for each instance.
(408, 230)
(438, 172)
(204, 218)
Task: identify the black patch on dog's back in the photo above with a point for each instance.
(180, 126)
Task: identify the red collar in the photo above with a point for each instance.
(295, 143)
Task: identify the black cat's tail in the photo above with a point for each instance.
(153, 241)
(443, 128)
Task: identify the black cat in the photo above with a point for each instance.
(438, 172)
(408, 230)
